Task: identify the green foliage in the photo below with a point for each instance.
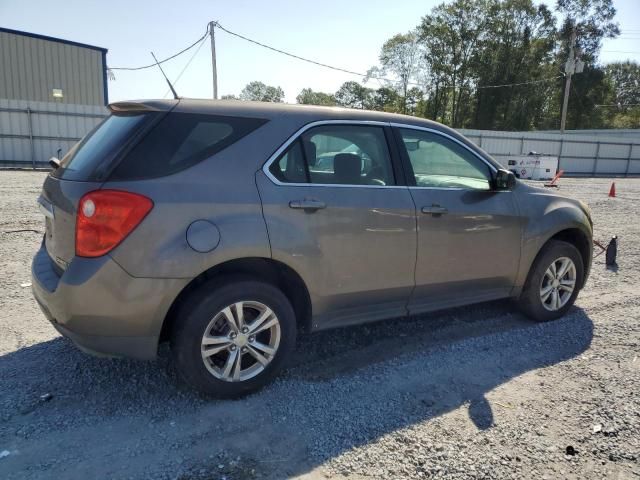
(592, 21)
(386, 99)
(624, 81)
(354, 95)
(259, 92)
(309, 97)
(622, 108)
(400, 57)
(461, 47)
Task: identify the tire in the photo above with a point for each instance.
(205, 311)
(538, 281)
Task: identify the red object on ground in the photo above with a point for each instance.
(612, 190)
(553, 181)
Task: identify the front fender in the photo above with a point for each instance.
(546, 216)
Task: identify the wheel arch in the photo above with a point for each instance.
(581, 241)
(256, 268)
(576, 237)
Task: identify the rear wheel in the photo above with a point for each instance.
(233, 339)
(553, 283)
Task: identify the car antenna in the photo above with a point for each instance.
(173, 90)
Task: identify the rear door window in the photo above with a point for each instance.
(337, 155)
(179, 141)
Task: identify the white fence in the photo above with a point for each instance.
(579, 153)
(33, 132)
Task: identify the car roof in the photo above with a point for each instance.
(270, 111)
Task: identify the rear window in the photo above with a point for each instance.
(100, 146)
(179, 141)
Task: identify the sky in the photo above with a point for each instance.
(344, 33)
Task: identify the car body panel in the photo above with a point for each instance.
(220, 190)
(546, 213)
(102, 307)
(357, 257)
(60, 198)
(470, 252)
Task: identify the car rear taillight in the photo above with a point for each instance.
(105, 218)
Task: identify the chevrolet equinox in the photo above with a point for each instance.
(226, 228)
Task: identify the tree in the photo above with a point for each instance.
(353, 95)
(259, 92)
(622, 107)
(229, 97)
(517, 48)
(591, 21)
(496, 64)
(450, 35)
(400, 57)
(309, 97)
(386, 99)
(624, 79)
(412, 100)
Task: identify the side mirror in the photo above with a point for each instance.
(54, 162)
(504, 180)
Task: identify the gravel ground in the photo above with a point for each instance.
(475, 392)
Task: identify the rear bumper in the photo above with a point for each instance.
(101, 308)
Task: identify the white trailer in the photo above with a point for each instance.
(532, 167)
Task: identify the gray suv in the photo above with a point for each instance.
(227, 228)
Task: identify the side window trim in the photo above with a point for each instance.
(406, 163)
(297, 136)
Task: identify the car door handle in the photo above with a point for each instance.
(307, 205)
(435, 210)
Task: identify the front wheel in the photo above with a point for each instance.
(553, 282)
(233, 339)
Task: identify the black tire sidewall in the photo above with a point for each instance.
(530, 299)
(194, 317)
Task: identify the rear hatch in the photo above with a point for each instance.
(86, 167)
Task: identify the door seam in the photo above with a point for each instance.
(264, 218)
(415, 263)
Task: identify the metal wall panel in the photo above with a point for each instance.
(579, 153)
(32, 132)
(30, 68)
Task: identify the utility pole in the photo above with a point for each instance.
(214, 68)
(573, 65)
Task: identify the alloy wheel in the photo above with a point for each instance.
(558, 284)
(240, 341)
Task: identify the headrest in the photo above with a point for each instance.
(347, 168)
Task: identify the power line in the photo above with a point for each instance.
(548, 79)
(364, 75)
(166, 59)
(621, 105)
(216, 24)
(186, 65)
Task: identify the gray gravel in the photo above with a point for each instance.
(476, 392)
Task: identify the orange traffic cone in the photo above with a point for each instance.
(612, 190)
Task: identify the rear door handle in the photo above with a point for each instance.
(435, 210)
(307, 205)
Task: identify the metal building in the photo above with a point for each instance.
(52, 92)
